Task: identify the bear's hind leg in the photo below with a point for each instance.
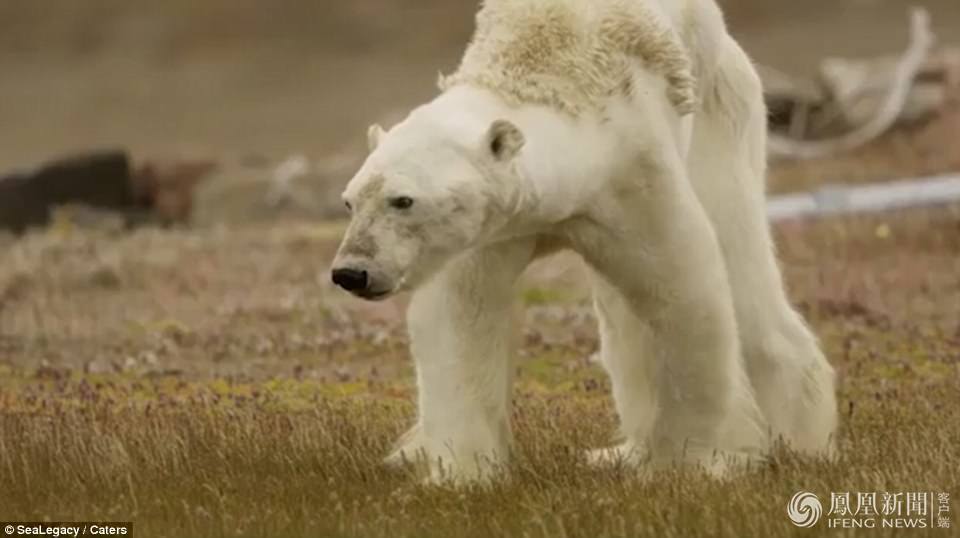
(794, 382)
(792, 379)
(461, 337)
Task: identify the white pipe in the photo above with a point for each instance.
(832, 200)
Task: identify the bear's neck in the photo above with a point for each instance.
(561, 161)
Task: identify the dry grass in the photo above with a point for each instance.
(209, 384)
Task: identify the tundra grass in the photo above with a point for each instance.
(211, 384)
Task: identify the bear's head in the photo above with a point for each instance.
(429, 190)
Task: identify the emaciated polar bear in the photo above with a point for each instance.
(634, 133)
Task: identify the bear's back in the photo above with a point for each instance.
(572, 55)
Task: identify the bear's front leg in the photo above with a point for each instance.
(652, 242)
(461, 337)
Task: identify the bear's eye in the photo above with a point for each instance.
(349, 207)
(401, 202)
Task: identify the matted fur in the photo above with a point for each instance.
(572, 55)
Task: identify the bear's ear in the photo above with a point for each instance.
(374, 134)
(504, 140)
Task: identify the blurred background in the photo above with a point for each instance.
(188, 327)
(237, 114)
(233, 79)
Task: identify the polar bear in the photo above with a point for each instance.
(632, 132)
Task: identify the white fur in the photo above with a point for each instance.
(706, 354)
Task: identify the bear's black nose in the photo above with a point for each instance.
(350, 279)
